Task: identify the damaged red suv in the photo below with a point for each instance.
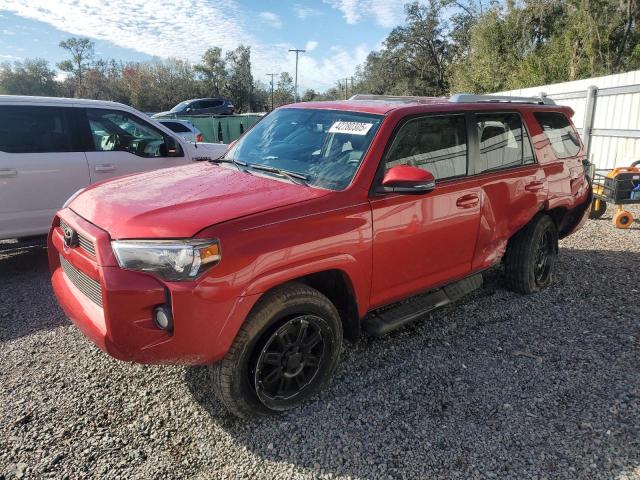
(260, 262)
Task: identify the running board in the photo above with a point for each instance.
(381, 322)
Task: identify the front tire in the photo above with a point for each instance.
(531, 255)
(284, 354)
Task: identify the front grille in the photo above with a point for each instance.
(86, 244)
(84, 283)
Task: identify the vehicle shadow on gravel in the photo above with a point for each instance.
(27, 302)
(499, 384)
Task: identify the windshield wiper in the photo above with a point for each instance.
(237, 163)
(295, 177)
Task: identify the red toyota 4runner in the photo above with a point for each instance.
(260, 262)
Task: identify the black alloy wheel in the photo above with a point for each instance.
(544, 257)
(290, 360)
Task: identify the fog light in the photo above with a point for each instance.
(162, 318)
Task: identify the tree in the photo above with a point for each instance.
(212, 72)
(239, 85)
(415, 57)
(31, 77)
(309, 95)
(284, 92)
(82, 54)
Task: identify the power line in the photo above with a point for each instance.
(271, 75)
(298, 51)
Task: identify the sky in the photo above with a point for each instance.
(337, 34)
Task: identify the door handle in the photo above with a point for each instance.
(8, 172)
(534, 186)
(468, 201)
(105, 167)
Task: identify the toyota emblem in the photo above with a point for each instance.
(70, 237)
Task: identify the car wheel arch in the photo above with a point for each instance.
(337, 285)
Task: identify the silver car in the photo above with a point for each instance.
(183, 128)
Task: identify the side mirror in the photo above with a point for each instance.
(173, 148)
(407, 179)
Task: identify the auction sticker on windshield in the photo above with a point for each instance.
(352, 128)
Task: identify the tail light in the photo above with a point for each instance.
(199, 138)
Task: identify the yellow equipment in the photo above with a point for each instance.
(620, 186)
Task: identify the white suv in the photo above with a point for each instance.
(52, 147)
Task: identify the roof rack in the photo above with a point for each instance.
(393, 98)
(470, 98)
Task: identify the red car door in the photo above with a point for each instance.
(514, 186)
(421, 241)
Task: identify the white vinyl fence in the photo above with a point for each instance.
(607, 114)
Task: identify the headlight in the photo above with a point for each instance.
(169, 259)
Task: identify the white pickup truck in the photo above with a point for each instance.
(52, 147)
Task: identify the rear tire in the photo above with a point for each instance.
(531, 255)
(284, 354)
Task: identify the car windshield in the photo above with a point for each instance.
(325, 146)
(179, 107)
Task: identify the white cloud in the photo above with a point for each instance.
(386, 13)
(311, 46)
(271, 19)
(305, 12)
(8, 32)
(169, 28)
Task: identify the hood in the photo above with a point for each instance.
(179, 202)
(205, 151)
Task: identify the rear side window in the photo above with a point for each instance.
(560, 133)
(437, 144)
(26, 129)
(210, 103)
(176, 127)
(504, 142)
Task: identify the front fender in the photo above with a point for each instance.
(345, 263)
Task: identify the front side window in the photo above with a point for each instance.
(560, 133)
(114, 130)
(437, 144)
(504, 142)
(325, 146)
(26, 129)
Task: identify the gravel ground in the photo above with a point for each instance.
(497, 386)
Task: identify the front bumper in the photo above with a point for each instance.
(205, 316)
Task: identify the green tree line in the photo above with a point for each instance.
(151, 86)
(443, 46)
(480, 46)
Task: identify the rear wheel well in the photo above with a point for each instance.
(557, 215)
(336, 286)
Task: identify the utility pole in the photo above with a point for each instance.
(346, 88)
(298, 51)
(271, 75)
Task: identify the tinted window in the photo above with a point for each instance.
(176, 127)
(503, 142)
(437, 144)
(114, 130)
(210, 103)
(560, 133)
(26, 129)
